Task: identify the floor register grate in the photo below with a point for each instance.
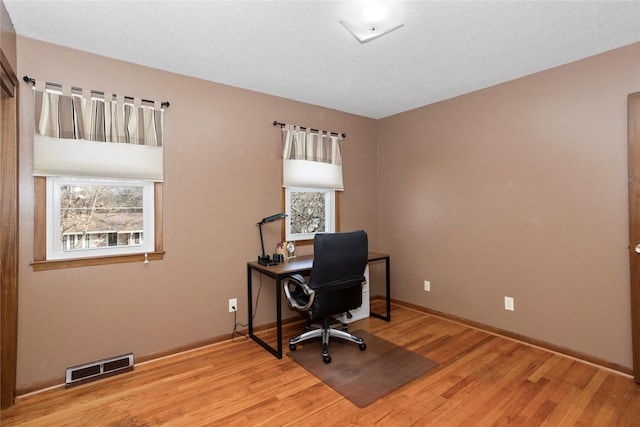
(81, 374)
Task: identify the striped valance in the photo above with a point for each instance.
(96, 119)
(311, 159)
(299, 144)
(78, 134)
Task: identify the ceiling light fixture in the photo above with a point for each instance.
(374, 21)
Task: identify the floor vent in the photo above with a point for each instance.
(99, 369)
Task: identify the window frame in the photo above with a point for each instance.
(331, 208)
(40, 261)
(55, 252)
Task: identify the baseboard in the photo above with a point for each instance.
(59, 382)
(522, 338)
(199, 344)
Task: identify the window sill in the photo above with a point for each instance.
(86, 262)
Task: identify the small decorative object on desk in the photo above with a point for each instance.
(291, 250)
(281, 250)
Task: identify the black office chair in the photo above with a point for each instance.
(334, 287)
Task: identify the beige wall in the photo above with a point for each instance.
(222, 175)
(518, 190)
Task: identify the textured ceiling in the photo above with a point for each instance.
(299, 50)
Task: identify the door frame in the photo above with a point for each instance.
(8, 231)
(633, 147)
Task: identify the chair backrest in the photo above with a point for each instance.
(338, 259)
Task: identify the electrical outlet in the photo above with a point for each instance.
(427, 286)
(508, 304)
(233, 305)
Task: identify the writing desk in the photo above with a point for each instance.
(300, 265)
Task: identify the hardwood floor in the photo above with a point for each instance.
(483, 379)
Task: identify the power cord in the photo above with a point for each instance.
(235, 327)
(244, 325)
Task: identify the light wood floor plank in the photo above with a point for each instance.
(483, 379)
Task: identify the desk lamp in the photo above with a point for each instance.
(265, 259)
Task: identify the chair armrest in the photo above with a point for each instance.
(298, 283)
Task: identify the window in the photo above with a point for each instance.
(310, 211)
(311, 175)
(98, 217)
(98, 172)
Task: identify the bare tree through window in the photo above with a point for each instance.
(93, 216)
(307, 212)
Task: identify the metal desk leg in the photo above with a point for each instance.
(279, 317)
(277, 352)
(386, 317)
(250, 301)
(388, 262)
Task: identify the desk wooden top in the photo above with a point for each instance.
(299, 264)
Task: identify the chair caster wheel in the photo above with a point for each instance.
(362, 346)
(326, 359)
(292, 347)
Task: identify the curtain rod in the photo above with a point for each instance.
(277, 123)
(163, 104)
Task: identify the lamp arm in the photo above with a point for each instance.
(261, 241)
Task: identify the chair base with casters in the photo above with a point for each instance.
(325, 331)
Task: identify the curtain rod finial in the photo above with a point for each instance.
(28, 79)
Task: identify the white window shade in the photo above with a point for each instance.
(69, 157)
(310, 174)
